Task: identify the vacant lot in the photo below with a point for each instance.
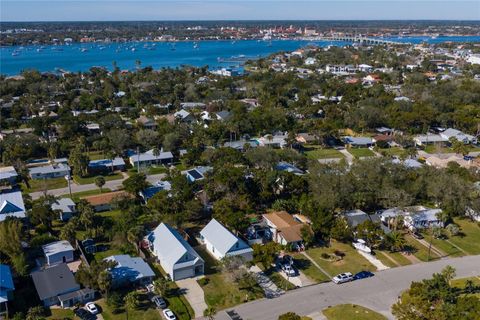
(352, 261)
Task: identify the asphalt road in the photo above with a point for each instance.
(377, 293)
(112, 185)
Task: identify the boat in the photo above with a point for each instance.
(362, 246)
(195, 45)
(83, 50)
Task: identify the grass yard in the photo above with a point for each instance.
(60, 314)
(145, 312)
(90, 180)
(220, 292)
(461, 283)
(42, 184)
(309, 269)
(351, 312)
(315, 153)
(397, 256)
(76, 196)
(361, 152)
(469, 239)
(394, 151)
(380, 255)
(279, 281)
(96, 155)
(419, 250)
(447, 247)
(351, 262)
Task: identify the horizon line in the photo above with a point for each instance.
(248, 20)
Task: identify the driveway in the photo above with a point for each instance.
(377, 293)
(348, 155)
(194, 295)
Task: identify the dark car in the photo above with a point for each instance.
(84, 314)
(417, 235)
(363, 275)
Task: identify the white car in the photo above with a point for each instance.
(91, 307)
(343, 277)
(169, 314)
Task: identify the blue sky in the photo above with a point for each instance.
(99, 10)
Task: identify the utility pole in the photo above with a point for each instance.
(67, 177)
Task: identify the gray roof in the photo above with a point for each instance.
(7, 173)
(357, 140)
(148, 156)
(182, 114)
(240, 144)
(130, 268)
(221, 238)
(170, 248)
(108, 163)
(192, 105)
(11, 204)
(64, 204)
(56, 247)
(54, 281)
(60, 167)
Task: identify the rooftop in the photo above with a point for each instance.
(54, 281)
(56, 247)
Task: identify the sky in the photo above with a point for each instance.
(112, 10)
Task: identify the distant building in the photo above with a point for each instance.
(458, 135)
(58, 252)
(288, 167)
(148, 158)
(429, 138)
(8, 175)
(153, 190)
(11, 205)
(357, 142)
(197, 173)
(50, 171)
(65, 207)
(146, 123)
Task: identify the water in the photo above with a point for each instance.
(81, 57)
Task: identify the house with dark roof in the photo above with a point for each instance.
(130, 271)
(176, 256)
(57, 286)
(197, 173)
(106, 165)
(11, 205)
(6, 287)
(153, 190)
(220, 242)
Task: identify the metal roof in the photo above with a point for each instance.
(56, 247)
(11, 204)
(221, 238)
(131, 268)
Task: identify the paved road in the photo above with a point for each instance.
(377, 293)
(112, 185)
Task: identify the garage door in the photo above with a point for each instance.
(183, 273)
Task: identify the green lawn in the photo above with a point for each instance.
(380, 256)
(419, 250)
(351, 312)
(96, 155)
(395, 151)
(352, 261)
(90, 180)
(42, 184)
(60, 314)
(446, 247)
(469, 240)
(220, 292)
(309, 269)
(460, 283)
(279, 280)
(146, 312)
(437, 149)
(155, 169)
(361, 152)
(399, 258)
(76, 196)
(314, 153)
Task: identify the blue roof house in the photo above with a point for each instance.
(6, 287)
(287, 167)
(11, 205)
(220, 242)
(153, 190)
(176, 256)
(130, 271)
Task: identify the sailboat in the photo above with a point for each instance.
(195, 45)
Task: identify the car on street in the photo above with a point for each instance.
(84, 314)
(91, 307)
(362, 275)
(169, 314)
(159, 302)
(343, 277)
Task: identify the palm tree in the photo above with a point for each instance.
(449, 273)
(132, 301)
(161, 286)
(209, 313)
(156, 153)
(105, 281)
(396, 241)
(100, 182)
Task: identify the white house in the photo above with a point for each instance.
(220, 242)
(65, 207)
(58, 252)
(11, 205)
(56, 170)
(176, 256)
(148, 158)
(459, 135)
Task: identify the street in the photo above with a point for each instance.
(377, 293)
(112, 185)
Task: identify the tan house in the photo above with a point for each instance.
(285, 229)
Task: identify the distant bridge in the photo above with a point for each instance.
(356, 39)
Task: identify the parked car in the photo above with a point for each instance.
(150, 287)
(84, 314)
(159, 302)
(363, 275)
(91, 307)
(287, 260)
(343, 277)
(169, 314)
(289, 270)
(417, 235)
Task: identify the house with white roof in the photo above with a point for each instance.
(176, 256)
(11, 205)
(414, 217)
(220, 242)
(276, 141)
(429, 138)
(65, 207)
(54, 170)
(459, 135)
(184, 116)
(8, 175)
(58, 252)
(130, 271)
(148, 158)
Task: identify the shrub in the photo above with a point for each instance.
(203, 282)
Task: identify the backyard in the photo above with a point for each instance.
(351, 261)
